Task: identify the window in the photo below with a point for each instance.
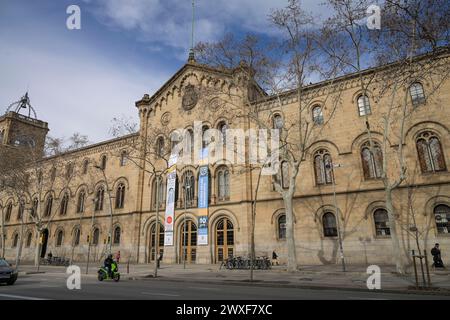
(417, 94)
(76, 237)
(223, 127)
(95, 236)
(8, 212)
(120, 196)
(100, 196)
(81, 201)
(442, 218)
(15, 240)
(364, 106)
(223, 183)
(34, 208)
(189, 188)
(116, 235)
(59, 238)
(285, 175)
(281, 227)
(317, 115)
(381, 219)
(160, 147)
(85, 166)
(69, 171)
(205, 141)
(188, 144)
(48, 206)
(430, 153)
(323, 167)
(103, 162)
(2, 134)
(161, 189)
(372, 161)
(29, 239)
(123, 158)
(21, 210)
(278, 122)
(329, 225)
(64, 204)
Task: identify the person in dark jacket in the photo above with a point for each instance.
(436, 252)
(107, 263)
(274, 258)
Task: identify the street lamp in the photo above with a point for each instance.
(102, 169)
(338, 222)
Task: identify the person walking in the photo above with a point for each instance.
(437, 260)
(118, 256)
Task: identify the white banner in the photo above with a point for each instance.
(170, 202)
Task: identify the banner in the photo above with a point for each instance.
(202, 238)
(203, 197)
(170, 202)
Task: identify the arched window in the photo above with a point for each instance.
(189, 188)
(162, 192)
(99, 198)
(223, 183)
(81, 201)
(188, 143)
(123, 158)
(64, 204)
(372, 162)
(120, 196)
(48, 206)
(417, 93)
(76, 237)
(364, 105)
(317, 115)
(85, 166)
(278, 122)
(15, 240)
(69, 170)
(117, 233)
(281, 227)
(8, 212)
(329, 225)
(103, 162)
(29, 239)
(34, 208)
(430, 153)
(205, 141)
(442, 218)
(95, 236)
(323, 167)
(59, 238)
(223, 127)
(160, 147)
(381, 219)
(21, 210)
(285, 175)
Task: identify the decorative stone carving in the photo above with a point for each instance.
(190, 97)
(165, 118)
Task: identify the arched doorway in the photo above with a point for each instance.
(224, 239)
(152, 242)
(188, 244)
(44, 242)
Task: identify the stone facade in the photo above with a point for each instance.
(358, 197)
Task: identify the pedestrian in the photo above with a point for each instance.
(437, 260)
(274, 258)
(118, 256)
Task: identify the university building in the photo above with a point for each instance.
(92, 190)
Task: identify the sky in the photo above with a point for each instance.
(79, 80)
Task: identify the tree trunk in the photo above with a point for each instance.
(396, 251)
(290, 241)
(2, 240)
(37, 250)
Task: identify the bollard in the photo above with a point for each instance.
(415, 269)
(128, 267)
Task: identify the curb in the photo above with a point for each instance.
(261, 283)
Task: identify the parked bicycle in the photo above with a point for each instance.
(242, 263)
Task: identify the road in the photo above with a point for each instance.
(53, 286)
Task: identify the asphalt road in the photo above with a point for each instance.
(53, 286)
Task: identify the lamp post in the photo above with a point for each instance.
(156, 228)
(338, 222)
(102, 169)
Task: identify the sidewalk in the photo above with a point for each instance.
(325, 276)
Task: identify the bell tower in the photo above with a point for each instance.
(20, 128)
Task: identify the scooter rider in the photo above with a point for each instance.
(108, 264)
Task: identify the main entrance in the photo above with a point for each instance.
(224, 239)
(152, 242)
(44, 242)
(188, 245)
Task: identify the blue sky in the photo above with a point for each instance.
(78, 80)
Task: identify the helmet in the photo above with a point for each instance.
(110, 256)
